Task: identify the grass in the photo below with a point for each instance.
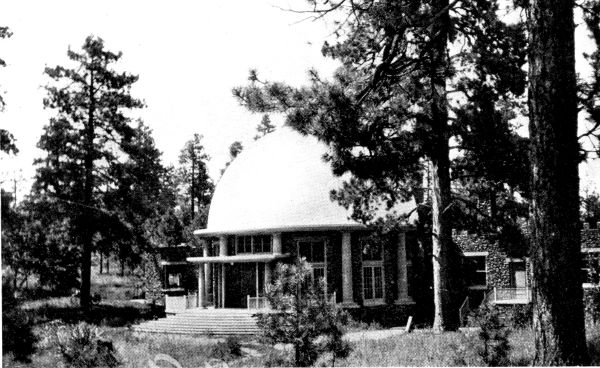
(114, 315)
(420, 348)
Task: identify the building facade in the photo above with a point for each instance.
(273, 205)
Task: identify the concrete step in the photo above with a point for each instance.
(205, 321)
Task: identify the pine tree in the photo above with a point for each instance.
(7, 140)
(388, 109)
(195, 184)
(85, 138)
(235, 149)
(558, 321)
(265, 127)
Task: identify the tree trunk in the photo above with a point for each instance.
(192, 189)
(108, 263)
(440, 173)
(101, 262)
(86, 219)
(555, 231)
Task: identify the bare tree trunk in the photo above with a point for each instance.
(87, 236)
(440, 174)
(555, 231)
(108, 263)
(100, 262)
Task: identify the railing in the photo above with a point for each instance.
(257, 302)
(261, 302)
(511, 295)
(463, 311)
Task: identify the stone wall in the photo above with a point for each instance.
(498, 269)
(590, 238)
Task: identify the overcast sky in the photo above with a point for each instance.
(188, 55)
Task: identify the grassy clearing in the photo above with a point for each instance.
(115, 314)
(420, 348)
(145, 350)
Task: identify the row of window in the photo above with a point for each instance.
(372, 255)
(250, 244)
(477, 272)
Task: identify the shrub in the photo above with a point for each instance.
(521, 316)
(592, 303)
(494, 335)
(17, 334)
(82, 346)
(302, 315)
(230, 349)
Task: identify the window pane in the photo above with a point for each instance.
(475, 269)
(318, 274)
(378, 288)
(266, 243)
(372, 252)
(304, 250)
(479, 279)
(318, 252)
(368, 282)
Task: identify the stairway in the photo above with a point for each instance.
(218, 322)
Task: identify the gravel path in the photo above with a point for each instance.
(374, 335)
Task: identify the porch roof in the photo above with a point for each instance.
(239, 258)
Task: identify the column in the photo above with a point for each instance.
(277, 243)
(402, 272)
(201, 286)
(207, 273)
(347, 291)
(222, 252)
(268, 275)
(223, 285)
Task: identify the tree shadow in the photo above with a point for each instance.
(102, 314)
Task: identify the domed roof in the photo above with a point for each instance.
(281, 182)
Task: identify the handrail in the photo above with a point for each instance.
(261, 302)
(463, 311)
(517, 294)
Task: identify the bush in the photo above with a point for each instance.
(521, 316)
(17, 334)
(592, 303)
(230, 349)
(82, 346)
(302, 315)
(494, 336)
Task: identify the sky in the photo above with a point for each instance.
(188, 54)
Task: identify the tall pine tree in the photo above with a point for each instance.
(389, 108)
(555, 155)
(84, 138)
(196, 186)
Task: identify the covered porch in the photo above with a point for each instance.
(236, 281)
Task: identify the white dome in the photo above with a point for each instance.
(280, 182)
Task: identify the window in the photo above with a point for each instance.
(262, 244)
(373, 282)
(252, 244)
(314, 253)
(372, 257)
(475, 265)
(243, 244)
(174, 280)
(590, 268)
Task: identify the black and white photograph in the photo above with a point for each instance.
(298, 183)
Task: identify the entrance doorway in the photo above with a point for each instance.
(244, 280)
